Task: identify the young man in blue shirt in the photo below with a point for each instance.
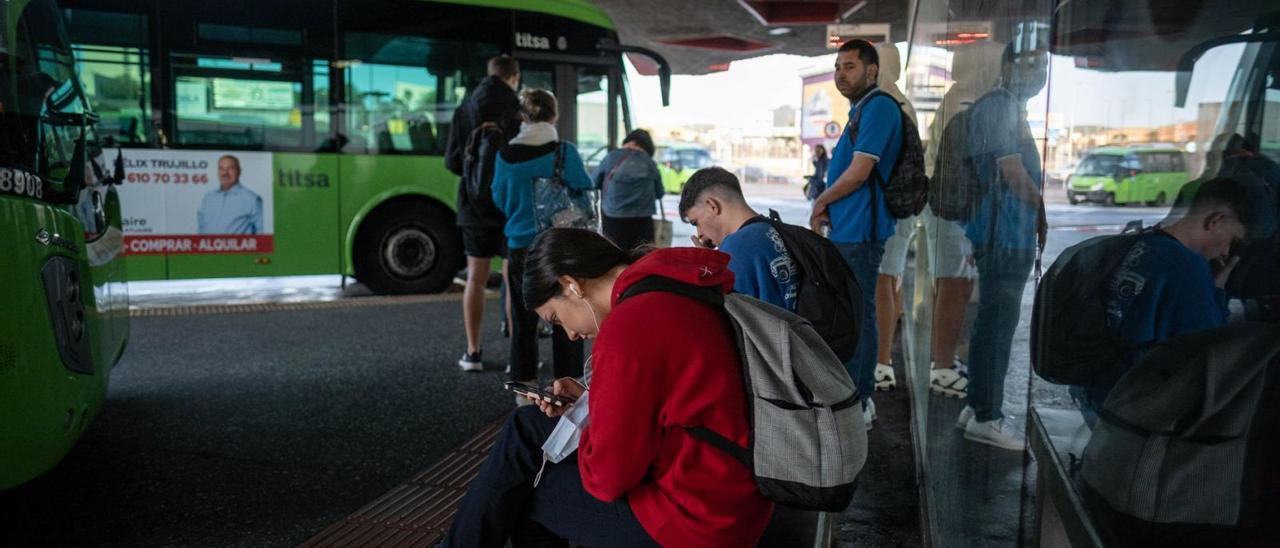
(853, 205)
(713, 203)
(1171, 281)
(1007, 227)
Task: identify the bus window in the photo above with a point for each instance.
(593, 114)
(113, 63)
(238, 103)
(395, 104)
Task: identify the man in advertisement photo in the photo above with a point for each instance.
(231, 208)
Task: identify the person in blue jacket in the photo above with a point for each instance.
(1171, 281)
(532, 154)
(713, 203)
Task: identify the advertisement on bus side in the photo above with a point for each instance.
(185, 202)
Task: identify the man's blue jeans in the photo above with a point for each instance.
(1002, 276)
(864, 261)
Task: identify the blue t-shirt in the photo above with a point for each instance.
(879, 135)
(513, 190)
(998, 129)
(761, 266)
(236, 211)
(1161, 289)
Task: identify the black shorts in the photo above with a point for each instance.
(483, 242)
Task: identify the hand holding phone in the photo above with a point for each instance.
(535, 393)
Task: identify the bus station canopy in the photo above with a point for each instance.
(704, 37)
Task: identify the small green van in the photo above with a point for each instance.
(1149, 175)
(677, 162)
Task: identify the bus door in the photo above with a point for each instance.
(593, 118)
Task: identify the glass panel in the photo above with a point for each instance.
(117, 81)
(976, 78)
(593, 114)
(395, 105)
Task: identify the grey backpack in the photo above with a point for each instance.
(1177, 435)
(808, 440)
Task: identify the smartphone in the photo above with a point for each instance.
(535, 393)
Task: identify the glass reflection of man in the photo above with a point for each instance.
(231, 208)
(1006, 229)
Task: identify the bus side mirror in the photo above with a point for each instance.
(73, 183)
(664, 68)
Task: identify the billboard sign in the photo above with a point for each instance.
(197, 202)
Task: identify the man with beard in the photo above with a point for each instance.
(853, 205)
(1006, 228)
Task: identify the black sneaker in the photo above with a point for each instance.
(470, 361)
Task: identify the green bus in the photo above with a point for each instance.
(306, 137)
(65, 304)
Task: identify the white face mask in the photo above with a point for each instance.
(563, 441)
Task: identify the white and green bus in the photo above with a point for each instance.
(332, 116)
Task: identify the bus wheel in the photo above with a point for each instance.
(1161, 199)
(408, 248)
(1110, 200)
(1071, 199)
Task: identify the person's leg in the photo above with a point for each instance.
(524, 325)
(951, 297)
(498, 500)
(611, 228)
(1002, 276)
(864, 260)
(473, 301)
(887, 314)
(566, 355)
(644, 231)
(564, 507)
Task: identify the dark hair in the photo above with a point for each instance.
(703, 180)
(1227, 192)
(503, 66)
(538, 105)
(642, 139)
(817, 148)
(866, 52)
(575, 252)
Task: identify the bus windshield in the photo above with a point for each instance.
(1098, 165)
(37, 85)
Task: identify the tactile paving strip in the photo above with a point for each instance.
(417, 512)
(272, 307)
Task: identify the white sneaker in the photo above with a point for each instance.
(965, 415)
(949, 382)
(869, 413)
(885, 379)
(997, 433)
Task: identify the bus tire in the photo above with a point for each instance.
(408, 247)
(1110, 200)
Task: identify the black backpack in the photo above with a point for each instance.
(478, 165)
(827, 294)
(907, 189)
(1070, 340)
(955, 188)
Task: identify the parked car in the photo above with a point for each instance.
(677, 162)
(1128, 175)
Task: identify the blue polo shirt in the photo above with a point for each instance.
(999, 129)
(879, 135)
(236, 211)
(761, 266)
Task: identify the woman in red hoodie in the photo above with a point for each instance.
(660, 363)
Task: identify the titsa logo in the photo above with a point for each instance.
(530, 41)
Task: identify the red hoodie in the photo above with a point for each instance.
(662, 362)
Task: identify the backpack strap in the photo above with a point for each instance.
(609, 176)
(705, 295)
(722, 443)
